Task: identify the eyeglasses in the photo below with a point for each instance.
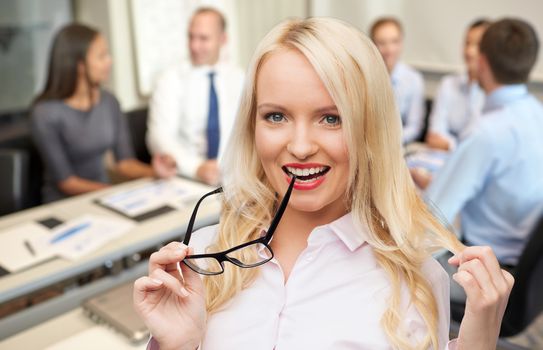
(241, 255)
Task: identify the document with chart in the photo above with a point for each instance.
(153, 198)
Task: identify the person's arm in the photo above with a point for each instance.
(75, 185)
(415, 114)
(46, 135)
(463, 175)
(487, 289)
(438, 125)
(132, 168)
(164, 122)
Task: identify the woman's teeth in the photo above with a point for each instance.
(306, 171)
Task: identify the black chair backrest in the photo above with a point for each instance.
(15, 135)
(526, 300)
(13, 180)
(426, 125)
(137, 123)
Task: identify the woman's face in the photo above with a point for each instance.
(298, 131)
(98, 60)
(471, 49)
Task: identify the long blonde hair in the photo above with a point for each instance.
(381, 193)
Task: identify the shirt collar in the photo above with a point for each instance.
(503, 95)
(395, 73)
(343, 229)
(205, 69)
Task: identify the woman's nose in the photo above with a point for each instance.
(302, 144)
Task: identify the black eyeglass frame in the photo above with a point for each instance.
(223, 256)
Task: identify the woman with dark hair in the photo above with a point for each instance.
(75, 122)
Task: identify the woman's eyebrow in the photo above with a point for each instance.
(271, 106)
(321, 110)
(327, 109)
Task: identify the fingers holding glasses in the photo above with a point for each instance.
(193, 280)
(166, 266)
(167, 257)
(173, 284)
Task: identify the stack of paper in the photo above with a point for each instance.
(81, 236)
(30, 243)
(154, 195)
(16, 250)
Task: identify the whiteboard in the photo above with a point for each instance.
(434, 28)
(159, 29)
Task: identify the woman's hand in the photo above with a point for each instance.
(421, 177)
(171, 305)
(487, 287)
(164, 166)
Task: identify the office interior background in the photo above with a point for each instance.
(147, 36)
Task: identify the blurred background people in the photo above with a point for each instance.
(493, 179)
(459, 98)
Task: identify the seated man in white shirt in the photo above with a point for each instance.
(459, 99)
(407, 83)
(194, 104)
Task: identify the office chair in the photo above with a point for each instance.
(526, 299)
(137, 124)
(13, 180)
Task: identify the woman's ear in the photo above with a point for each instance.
(81, 68)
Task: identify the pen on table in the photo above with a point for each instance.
(70, 232)
(29, 247)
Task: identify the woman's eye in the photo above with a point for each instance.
(331, 120)
(275, 117)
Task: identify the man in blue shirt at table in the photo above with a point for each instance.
(495, 177)
(407, 83)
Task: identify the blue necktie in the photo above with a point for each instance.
(213, 129)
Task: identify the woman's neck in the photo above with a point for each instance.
(296, 226)
(84, 97)
(291, 236)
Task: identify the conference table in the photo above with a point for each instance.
(120, 260)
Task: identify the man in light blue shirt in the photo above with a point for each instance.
(459, 99)
(494, 179)
(407, 83)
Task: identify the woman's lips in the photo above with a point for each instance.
(308, 175)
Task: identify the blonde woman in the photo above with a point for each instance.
(349, 265)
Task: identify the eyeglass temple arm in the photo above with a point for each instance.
(280, 211)
(188, 232)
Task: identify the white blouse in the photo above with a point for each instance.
(334, 298)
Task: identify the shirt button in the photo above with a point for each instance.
(309, 258)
